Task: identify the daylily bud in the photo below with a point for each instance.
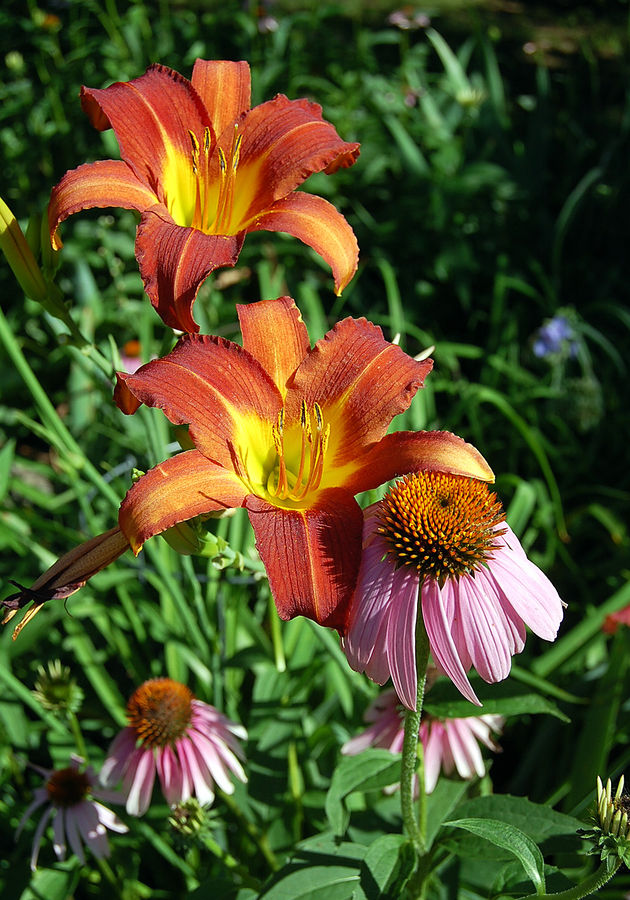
(66, 576)
(20, 256)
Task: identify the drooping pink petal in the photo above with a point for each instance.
(465, 749)
(435, 605)
(138, 781)
(490, 631)
(91, 829)
(365, 640)
(430, 736)
(401, 636)
(197, 771)
(170, 774)
(118, 754)
(59, 835)
(109, 819)
(525, 588)
(39, 833)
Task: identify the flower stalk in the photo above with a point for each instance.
(412, 754)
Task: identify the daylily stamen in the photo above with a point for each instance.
(314, 447)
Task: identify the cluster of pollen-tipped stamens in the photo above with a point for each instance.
(314, 443)
(206, 216)
(442, 525)
(67, 787)
(160, 711)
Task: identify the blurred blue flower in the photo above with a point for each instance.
(555, 338)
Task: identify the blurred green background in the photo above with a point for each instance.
(491, 196)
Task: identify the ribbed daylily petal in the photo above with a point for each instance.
(218, 389)
(151, 117)
(316, 223)
(225, 89)
(311, 555)
(403, 452)
(174, 261)
(178, 489)
(360, 381)
(285, 141)
(275, 334)
(101, 184)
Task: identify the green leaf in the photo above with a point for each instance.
(317, 883)
(386, 860)
(441, 802)
(6, 460)
(369, 771)
(53, 884)
(501, 834)
(537, 821)
(508, 698)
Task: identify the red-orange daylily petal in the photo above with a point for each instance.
(175, 261)
(316, 223)
(275, 334)
(207, 164)
(408, 451)
(284, 141)
(311, 555)
(151, 116)
(360, 381)
(104, 183)
(225, 89)
(214, 386)
(174, 491)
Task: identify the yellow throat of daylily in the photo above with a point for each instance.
(300, 451)
(204, 201)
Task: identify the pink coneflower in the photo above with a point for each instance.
(448, 744)
(447, 535)
(190, 744)
(78, 817)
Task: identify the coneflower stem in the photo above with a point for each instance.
(585, 888)
(412, 754)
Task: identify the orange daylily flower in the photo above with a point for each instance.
(204, 169)
(291, 434)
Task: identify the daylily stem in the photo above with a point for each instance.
(412, 754)
(589, 886)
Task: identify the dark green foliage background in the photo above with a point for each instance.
(492, 190)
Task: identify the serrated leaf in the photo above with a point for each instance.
(369, 771)
(507, 836)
